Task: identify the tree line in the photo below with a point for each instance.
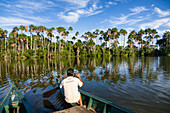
(41, 42)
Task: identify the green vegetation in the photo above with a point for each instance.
(41, 42)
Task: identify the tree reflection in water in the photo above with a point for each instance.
(29, 74)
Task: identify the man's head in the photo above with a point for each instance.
(70, 72)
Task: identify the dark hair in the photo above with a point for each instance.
(70, 72)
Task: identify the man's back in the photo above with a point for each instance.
(70, 85)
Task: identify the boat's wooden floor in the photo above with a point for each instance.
(75, 109)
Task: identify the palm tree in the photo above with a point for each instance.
(15, 32)
(35, 37)
(123, 32)
(60, 30)
(166, 36)
(4, 35)
(90, 45)
(140, 33)
(100, 40)
(131, 37)
(78, 45)
(113, 33)
(70, 29)
(164, 43)
(22, 38)
(149, 37)
(96, 33)
(41, 34)
(74, 38)
(22, 28)
(76, 34)
(31, 30)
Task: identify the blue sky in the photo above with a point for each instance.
(87, 15)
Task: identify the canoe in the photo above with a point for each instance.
(93, 103)
(15, 101)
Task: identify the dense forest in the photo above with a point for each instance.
(42, 42)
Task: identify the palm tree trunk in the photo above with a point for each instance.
(35, 44)
(22, 46)
(15, 43)
(69, 50)
(5, 47)
(109, 46)
(59, 42)
(77, 51)
(27, 43)
(55, 47)
(48, 50)
(124, 42)
(31, 40)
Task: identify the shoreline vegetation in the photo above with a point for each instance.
(42, 42)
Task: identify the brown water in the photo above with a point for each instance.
(141, 84)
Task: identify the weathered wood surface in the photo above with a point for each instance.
(76, 109)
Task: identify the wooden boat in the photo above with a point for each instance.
(14, 101)
(93, 104)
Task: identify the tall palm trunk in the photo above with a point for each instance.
(48, 50)
(27, 43)
(22, 46)
(124, 42)
(69, 46)
(109, 46)
(78, 50)
(31, 40)
(5, 46)
(59, 42)
(55, 47)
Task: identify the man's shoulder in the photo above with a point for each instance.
(68, 78)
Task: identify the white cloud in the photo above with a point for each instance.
(111, 3)
(108, 4)
(161, 32)
(156, 24)
(36, 19)
(139, 9)
(22, 12)
(13, 21)
(35, 6)
(26, 6)
(5, 5)
(70, 17)
(78, 3)
(114, 23)
(152, 5)
(162, 13)
(124, 19)
(74, 16)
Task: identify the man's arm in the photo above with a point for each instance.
(78, 76)
(61, 85)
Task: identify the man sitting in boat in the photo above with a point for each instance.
(70, 84)
(14, 103)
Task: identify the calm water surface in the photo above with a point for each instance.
(141, 84)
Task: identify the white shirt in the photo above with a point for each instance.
(71, 92)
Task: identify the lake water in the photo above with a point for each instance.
(141, 84)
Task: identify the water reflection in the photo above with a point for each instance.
(33, 75)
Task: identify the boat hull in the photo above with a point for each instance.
(19, 102)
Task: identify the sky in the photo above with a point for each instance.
(87, 15)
